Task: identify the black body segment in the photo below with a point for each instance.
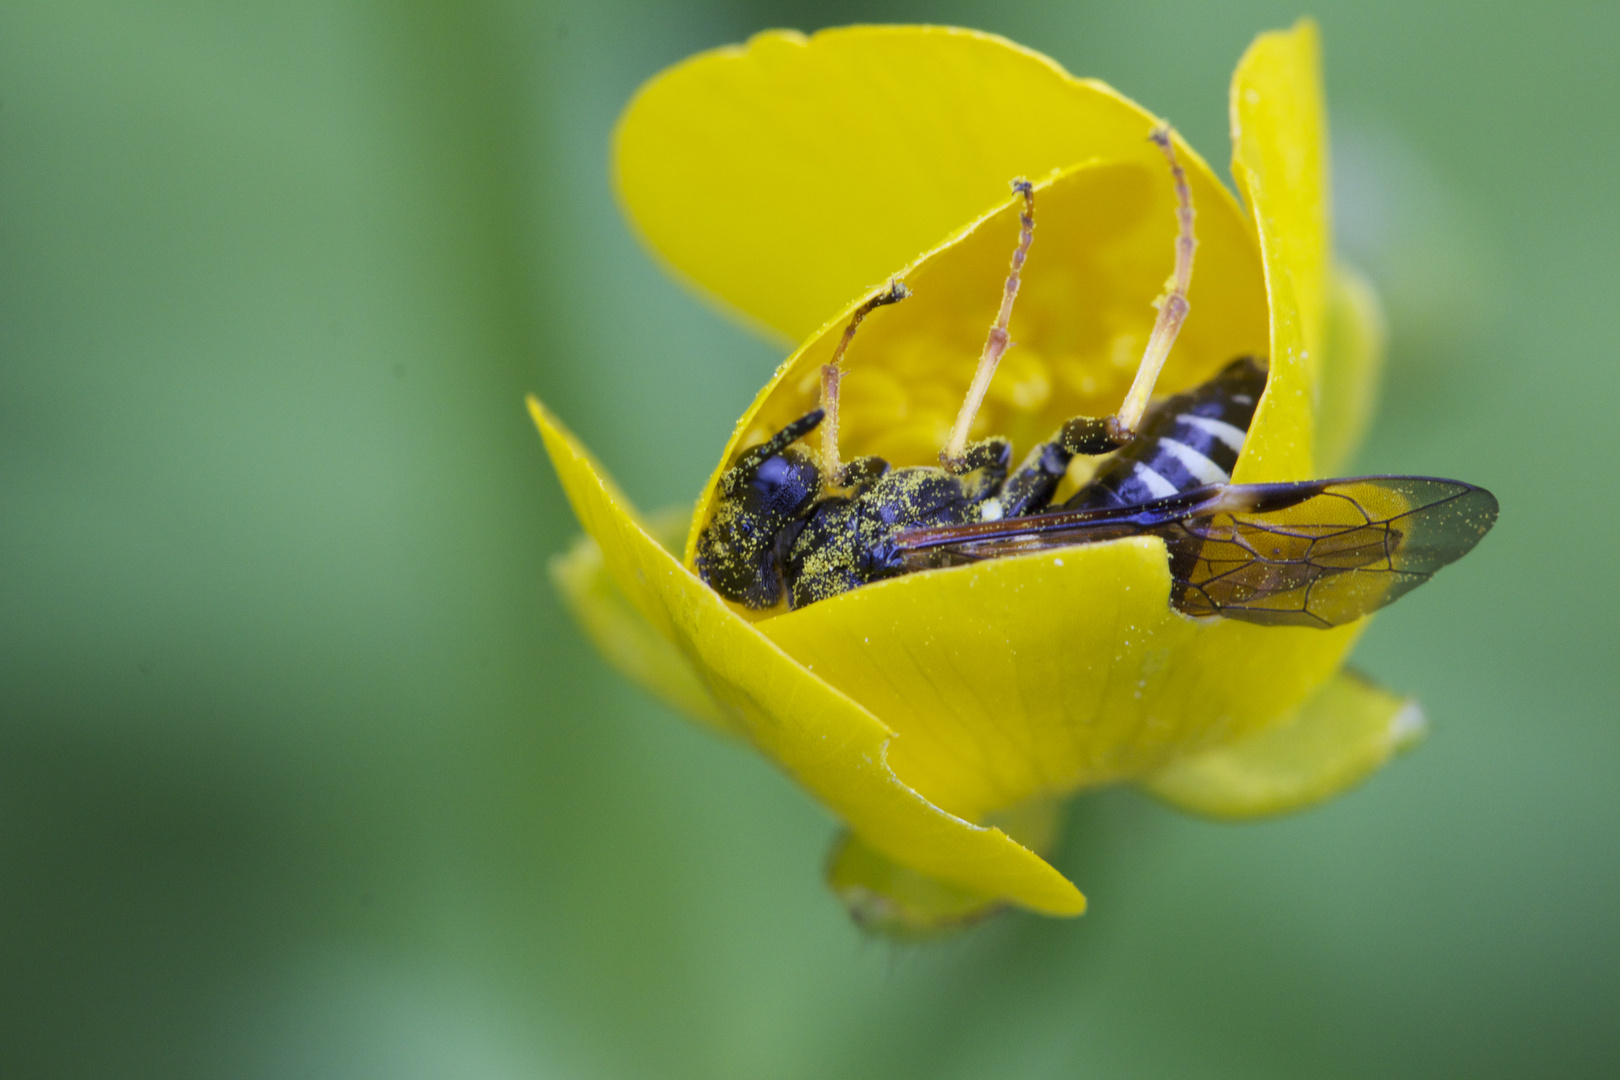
(849, 541)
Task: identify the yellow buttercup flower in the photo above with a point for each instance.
(943, 715)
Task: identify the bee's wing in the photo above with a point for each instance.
(1319, 553)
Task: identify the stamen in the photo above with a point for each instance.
(1173, 306)
(832, 467)
(997, 342)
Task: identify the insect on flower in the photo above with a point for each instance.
(940, 645)
(1313, 553)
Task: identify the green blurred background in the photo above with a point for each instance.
(304, 772)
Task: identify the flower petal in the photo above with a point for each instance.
(886, 898)
(896, 901)
(1352, 362)
(790, 175)
(1279, 161)
(1105, 235)
(829, 744)
(626, 639)
(1344, 733)
(1046, 673)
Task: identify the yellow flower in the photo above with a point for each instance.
(942, 716)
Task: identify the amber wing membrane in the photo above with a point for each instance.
(1346, 550)
(1320, 553)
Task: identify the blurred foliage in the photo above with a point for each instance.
(303, 772)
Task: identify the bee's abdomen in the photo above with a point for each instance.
(1188, 441)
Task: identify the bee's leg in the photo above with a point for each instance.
(832, 373)
(1086, 436)
(998, 341)
(1029, 490)
(863, 470)
(982, 468)
(1173, 308)
(1031, 487)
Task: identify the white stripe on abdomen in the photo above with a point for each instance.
(1195, 463)
(1157, 486)
(1231, 436)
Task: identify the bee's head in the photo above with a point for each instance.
(773, 476)
(758, 512)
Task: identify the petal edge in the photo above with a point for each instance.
(1340, 736)
(1279, 162)
(626, 640)
(878, 135)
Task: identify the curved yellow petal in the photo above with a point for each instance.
(1104, 244)
(623, 637)
(832, 746)
(894, 900)
(1343, 734)
(789, 175)
(1280, 162)
(1046, 673)
(1352, 364)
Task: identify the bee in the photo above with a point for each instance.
(1315, 553)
